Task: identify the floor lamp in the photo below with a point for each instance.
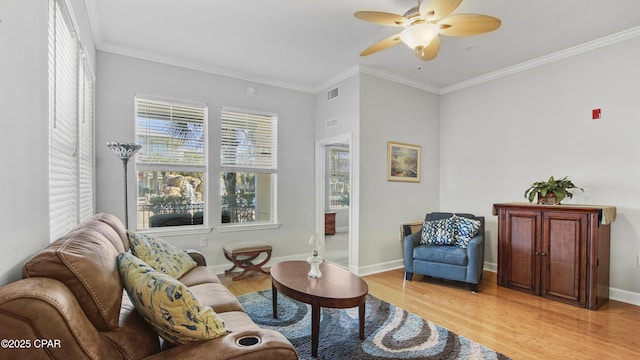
(124, 151)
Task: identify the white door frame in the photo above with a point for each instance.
(320, 186)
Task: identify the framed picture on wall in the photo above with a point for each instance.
(403, 162)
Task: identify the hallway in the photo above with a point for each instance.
(336, 248)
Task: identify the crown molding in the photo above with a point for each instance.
(373, 71)
(354, 70)
(383, 74)
(168, 60)
(370, 70)
(544, 60)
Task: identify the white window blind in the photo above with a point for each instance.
(63, 114)
(71, 158)
(248, 141)
(86, 166)
(170, 134)
(172, 163)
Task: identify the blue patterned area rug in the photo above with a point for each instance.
(390, 331)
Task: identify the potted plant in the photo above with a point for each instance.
(551, 191)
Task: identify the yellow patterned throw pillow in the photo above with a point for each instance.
(160, 255)
(167, 304)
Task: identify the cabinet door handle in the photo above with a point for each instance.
(536, 253)
(543, 254)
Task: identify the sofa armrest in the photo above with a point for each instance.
(410, 242)
(197, 256)
(475, 254)
(272, 345)
(39, 308)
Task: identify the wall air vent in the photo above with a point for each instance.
(332, 94)
(331, 123)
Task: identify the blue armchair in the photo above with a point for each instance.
(444, 261)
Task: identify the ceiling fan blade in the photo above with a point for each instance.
(438, 9)
(381, 45)
(468, 24)
(431, 51)
(382, 18)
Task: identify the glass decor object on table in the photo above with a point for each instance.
(315, 259)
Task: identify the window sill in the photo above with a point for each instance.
(177, 230)
(248, 227)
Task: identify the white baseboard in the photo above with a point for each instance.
(624, 296)
(378, 268)
(614, 294)
(493, 267)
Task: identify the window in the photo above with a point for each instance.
(71, 164)
(339, 187)
(249, 166)
(172, 163)
(85, 163)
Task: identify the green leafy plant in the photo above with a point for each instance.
(560, 188)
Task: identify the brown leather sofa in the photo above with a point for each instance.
(70, 304)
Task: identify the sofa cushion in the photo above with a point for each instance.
(438, 232)
(169, 307)
(134, 338)
(199, 275)
(466, 229)
(216, 296)
(160, 255)
(117, 226)
(84, 260)
(452, 255)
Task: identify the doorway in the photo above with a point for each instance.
(333, 197)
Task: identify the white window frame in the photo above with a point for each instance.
(258, 164)
(71, 118)
(329, 176)
(195, 167)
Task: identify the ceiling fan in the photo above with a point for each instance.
(423, 24)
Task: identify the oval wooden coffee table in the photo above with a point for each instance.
(337, 288)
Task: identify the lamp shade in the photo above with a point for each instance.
(419, 36)
(124, 150)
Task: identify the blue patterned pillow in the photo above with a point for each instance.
(438, 232)
(465, 229)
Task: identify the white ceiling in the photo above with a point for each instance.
(303, 44)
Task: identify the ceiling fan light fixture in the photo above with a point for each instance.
(419, 36)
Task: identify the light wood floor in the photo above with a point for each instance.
(518, 325)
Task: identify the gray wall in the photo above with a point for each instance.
(346, 109)
(498, 137)
(371, 109)
(24, 102)
(121, 77)
(393, 112)
(480, 145)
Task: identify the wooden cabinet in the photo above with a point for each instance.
(330, 223)
(560, 252)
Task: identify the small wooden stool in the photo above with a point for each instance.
(242, 254)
